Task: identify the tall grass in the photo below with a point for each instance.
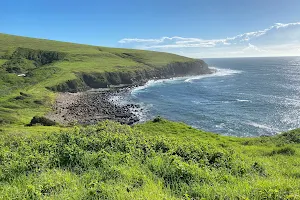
(113, 161)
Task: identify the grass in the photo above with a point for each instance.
(155, 160)
(2, 61)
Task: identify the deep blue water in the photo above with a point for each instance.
(245, 97)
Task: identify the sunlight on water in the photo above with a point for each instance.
(245, 97)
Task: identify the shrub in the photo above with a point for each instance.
(20, 98)
(42, 120)
(157, 119)
(40, 57)
(18, 65)
(24, 94)
(39, 102)
(259, 168)
(291, 136)
(284, 151)
(24, 59)
(2, 121)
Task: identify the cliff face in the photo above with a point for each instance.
(184, 69)
(103, 80)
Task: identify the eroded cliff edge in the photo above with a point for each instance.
(86, 81)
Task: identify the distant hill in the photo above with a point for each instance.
(78, 58)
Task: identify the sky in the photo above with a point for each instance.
(194, 28)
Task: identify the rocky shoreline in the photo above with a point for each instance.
(93, 106)
(96, 105)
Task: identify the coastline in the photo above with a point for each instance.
(98, 104)
(93, 106)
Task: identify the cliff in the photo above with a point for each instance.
(86, 81)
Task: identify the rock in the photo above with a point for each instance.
(92, 107)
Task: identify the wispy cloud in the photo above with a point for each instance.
(255, 42)
(252, 47)
(173, 42)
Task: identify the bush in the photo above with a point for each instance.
(39, 102)
(40, 57)
(259, 168)
(24, 59)
(291, 136)
(284, 151)
(42, 121)
(157, 119)
(2, 121)
(18, 65)
(24, 94)
(20, 98)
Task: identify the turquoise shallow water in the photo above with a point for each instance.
(245, 97)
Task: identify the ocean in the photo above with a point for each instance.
(245, 97)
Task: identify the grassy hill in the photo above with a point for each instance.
(155, 160)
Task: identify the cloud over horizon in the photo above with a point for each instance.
(277, 40)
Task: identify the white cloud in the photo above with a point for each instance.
(173, 42)
(137, 40)
(247, 44)
(129, 40)
(252, 47)
(280, 25)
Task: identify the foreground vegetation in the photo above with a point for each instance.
(155, 160)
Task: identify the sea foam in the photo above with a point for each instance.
(218, 73)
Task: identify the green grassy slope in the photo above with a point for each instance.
(88, 58)
(50, 63)
(9, 43)
(155, 160)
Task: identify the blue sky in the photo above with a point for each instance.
(215, 28)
